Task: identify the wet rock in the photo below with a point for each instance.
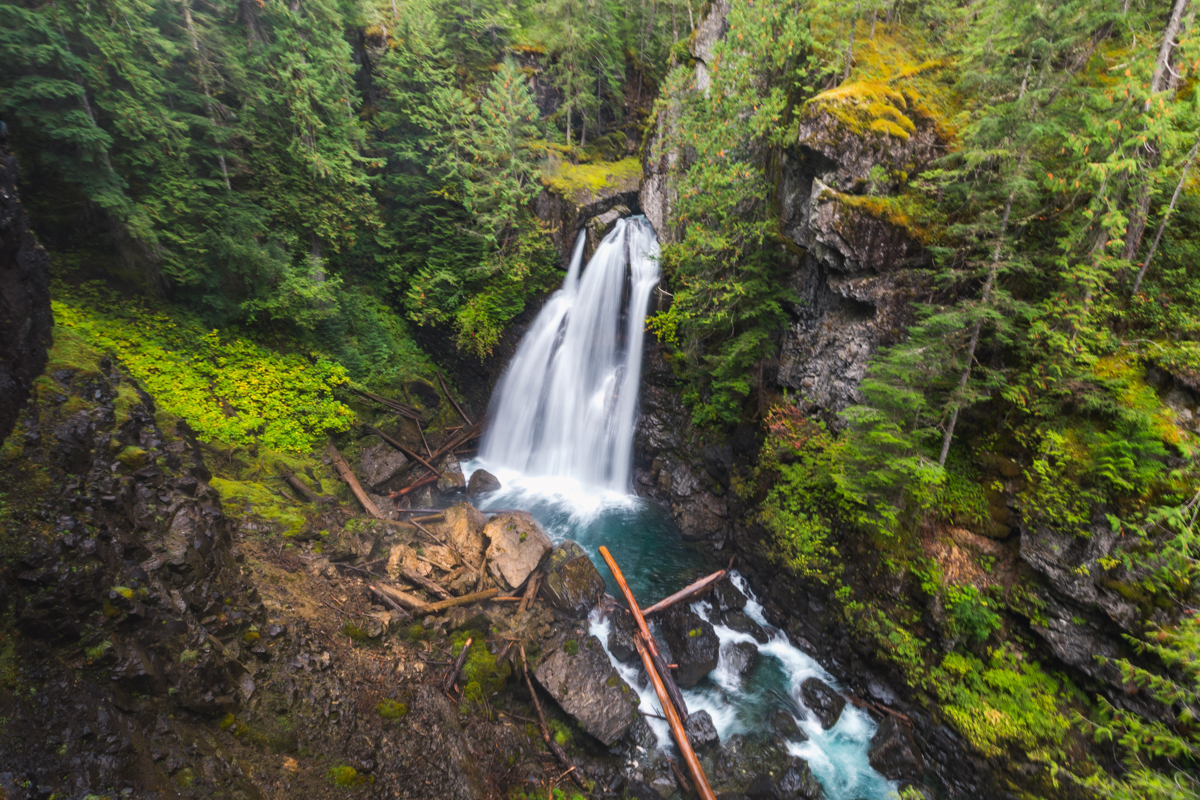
(784, 725)
(821, 699)
(378, 464)
(572, 584)
(894, 752)
(701, 732)
(518, 546)
(739, 658)
(621, 630)
(463, 528)
(693, 642)
(600, 226)
(740, 622)
(585, 685)
(726, 597)
(740, 759)
(482, 482)
(451, 480)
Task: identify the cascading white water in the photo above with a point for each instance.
(567, 405)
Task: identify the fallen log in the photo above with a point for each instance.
(412, 487)
(681, 741)
(434, 517)
(458, 665)
(669, 682)
(685, 785)
(400, 408)
(408, 601)
(347, 474)
(692, 590)
(402, 449)
(456, 441)
(466, 599)
(304, 491)
(530, 591)
(551, 745)
(457, 407)
(389, 602)
(418, 579)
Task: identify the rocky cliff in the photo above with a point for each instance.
(24, 296)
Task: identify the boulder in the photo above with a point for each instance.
(452, 480)
(581, 679)
(727, 597)
(741, 759)
(784, 725)
(795, 783)
(894, 753)
(518, 546)
(739, 658)
(572, 584)
(445, 744)
(701, 732)
(821, 699)
(402, 555)
(463, 528)
(482, 482)
(378, 463)
(621, 629)
(693, 643)
(741, 622)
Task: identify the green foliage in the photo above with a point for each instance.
(971, 613)
(482, 677)
(1002, 701)
(228, 390)
(961, 499)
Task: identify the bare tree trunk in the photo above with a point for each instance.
(850, 45)
(1137, 284)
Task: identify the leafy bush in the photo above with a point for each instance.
(971, 613)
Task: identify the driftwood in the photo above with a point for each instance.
(881, 710)
(458, 408)
(408, 601)
(466, 599)
(399, 408)
(458, 665)
(462, 437)
(688, 592)
(551, 745)
(418, 579)
(669, 682)
(685, 785)
(387, 601)
(347, 474)
(412, 487)
(659, 676)
(402, 449)
(434, 517)
(530, 591)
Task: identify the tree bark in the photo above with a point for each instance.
(347, 474)
(466, 599)
(688, 592)
(1166, 217)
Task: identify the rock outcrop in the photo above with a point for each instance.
(693, 644)
(24, 296)
(821, 699)
(517, 546)
(572, 584)
(577, 194)
(894, 753)
(581, 679)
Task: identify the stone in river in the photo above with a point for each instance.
(739, 621)
(821, 699)
(784, 725)
(739, 657)
(701, 732)
(482, 482)
(796, 783)
(621, 629)
(573, 584)
(894, 752)
(518, 546)
(693, 643)
(726, 597)
(582, 681)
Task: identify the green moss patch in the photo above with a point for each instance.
(247, 497)
(582, 183)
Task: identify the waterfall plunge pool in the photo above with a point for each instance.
(560, 440)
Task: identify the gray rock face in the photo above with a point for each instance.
(518, 546)
(463, 527)
(459, 778)
(573, 584)
(739, 658)
(712, 28)
(582, 681)
(482, 482)
(451, 480)
(796, 783)
(600, 226)
(24, 298)
(726, 597)
(567, 215)
(621, 630)
(701, 733)
(894, 753)
(693, 643)
(820, 698)
(784, 725)
(379, 463)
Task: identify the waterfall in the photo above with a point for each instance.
(567, 404)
